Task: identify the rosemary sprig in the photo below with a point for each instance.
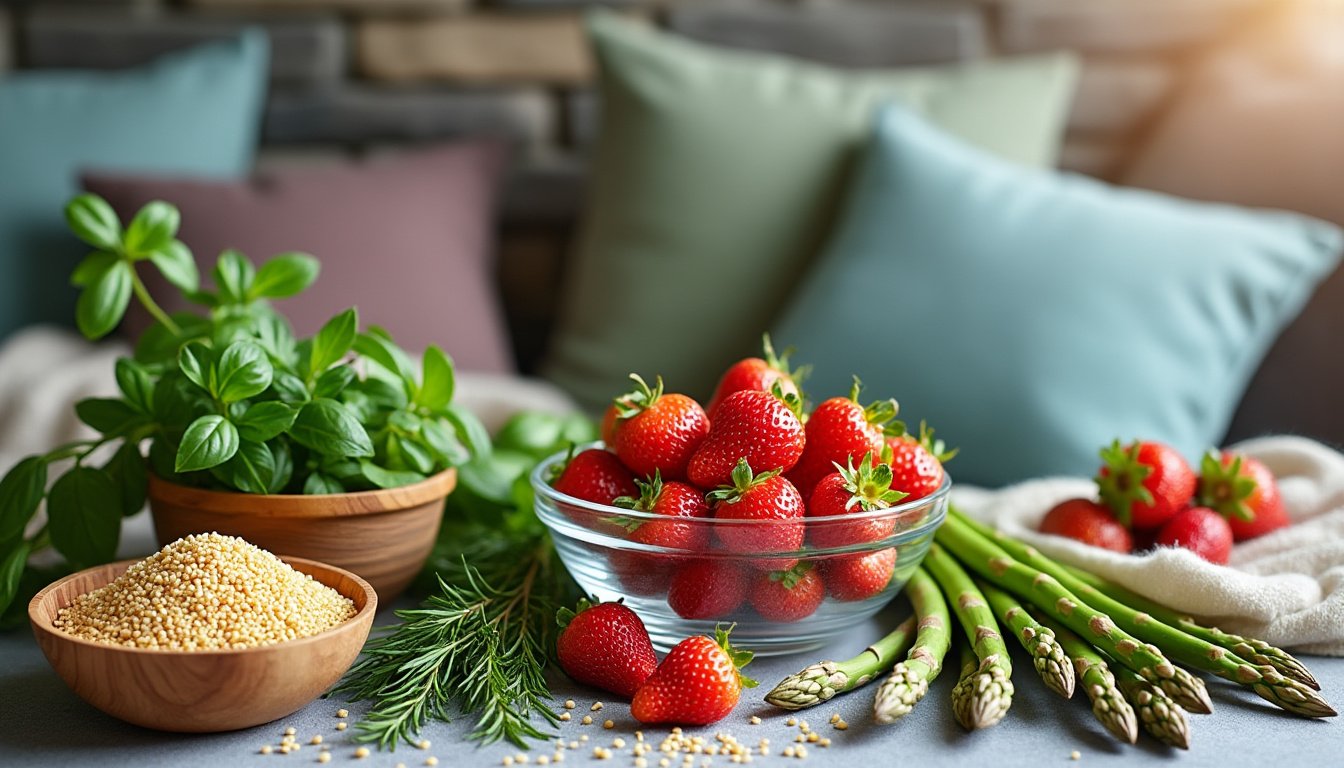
(479, 647)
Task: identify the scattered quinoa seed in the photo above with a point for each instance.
(316, 739)
(587, 720)
(423, 744)
(362, 753)
(755, 720)
(324, 757)
(569, 704)
(431, 760)
(792, 721)
(342, 713)
(842, 726)
(340, 726)
(824, 742)
(1075, 755)
(597, 706)
(564, 716)
(835, 718)
(508, 760)
(618, 743)
(290, 731)
(265, 749)
(608, 724)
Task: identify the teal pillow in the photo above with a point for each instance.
(196, 112)
(1032, 316)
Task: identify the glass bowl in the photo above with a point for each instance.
(862, 558)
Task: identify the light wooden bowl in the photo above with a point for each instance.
(384, 536)
(201, 691)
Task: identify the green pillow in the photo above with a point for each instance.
(196, 112)
(716, 178)
(1032, 317)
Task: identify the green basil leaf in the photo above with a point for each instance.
(84, 511)
(103, 301)
(277, 338)
(376, 346)
(383, 393)
(333, 341)
(177, 266)
(252, 468)
(440, 436)
(289, 387)
(11, 572)
(414, 456)
(285, 275)
(263, 421)
(153, 227)
(387, 478)
(437, 390)
(91, 267)
(284, 466)
(470, 430)
(333, 381)
(243, 371)
(21, 490)
(197, 362)
(343, 470)
(160, 345)
(162, 457)
(233, 277)
(318, 484)
(127, 469)
(108, 415)
(177, 401)
(93, 221)
(327, 427)
(135, 384)
(209, 441)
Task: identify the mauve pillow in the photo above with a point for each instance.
(406, 239)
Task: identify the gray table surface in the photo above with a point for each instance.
(43, 724)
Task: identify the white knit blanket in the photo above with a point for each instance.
(1286, 588)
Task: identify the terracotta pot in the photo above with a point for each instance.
(383, 536)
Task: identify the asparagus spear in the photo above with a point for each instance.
(1269, 683)
(990, 561)
(963, 693)
(1255, 651)
(1161, 717)
(823, 680)
(1046, 655)
(988, 693)
(909, 680)
(1108, 704)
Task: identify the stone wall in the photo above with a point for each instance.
(352, 77)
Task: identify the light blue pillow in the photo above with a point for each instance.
(1032, 316)
(197, 112)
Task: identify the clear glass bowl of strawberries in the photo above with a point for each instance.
(793, 526)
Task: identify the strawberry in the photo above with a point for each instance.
(761, 427)
(595, 475)
(1200, 530)
(1244, 491)
(859, 577)
(608, 428)
(1145, 483)
(845, 492)
(840, 431)
(788, 595)
(770, 501)
(605, 646)
(655, 432)
(698, 683)
(1089, 522)
(641, 573)
(917, 464)
(707, 589)
(754, 373)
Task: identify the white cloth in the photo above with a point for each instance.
(1286, 587)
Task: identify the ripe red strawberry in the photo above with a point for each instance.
(655, 432)
(754, 373)
(1089, 522)
(605, 646)
(1244, 491)
(848, 491)
(608, 428)
(840, 431)
(859, 577)
(1200, 530)
(917, 464)
(761, 427)
(771, 502)
(673, 500)
(595, 475)
(788, 595)
(641, 573)
(707, 589)
(698, 683)
(1145, 483)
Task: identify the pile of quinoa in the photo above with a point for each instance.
(206, 592)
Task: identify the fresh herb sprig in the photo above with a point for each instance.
(224, 398)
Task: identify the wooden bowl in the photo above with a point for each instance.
(201, 691)
(385, 536)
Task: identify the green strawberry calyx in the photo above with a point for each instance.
(649, 493)
(937, 448)
(639, 399)
(565, 615)
(743, 481)
(556, 470)
(791, 401)
(879, 413)
(790, 578)
(739, 657)
(1224, 488)
(869, 486)
(1120, 484)
(781, 362)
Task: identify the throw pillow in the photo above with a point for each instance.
(716, 175)
(196, 112)
(408, 239)
(1032, 317)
